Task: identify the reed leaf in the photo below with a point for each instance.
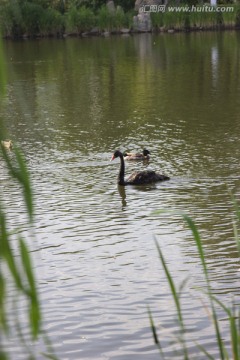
(155, 335)
(50, 351)
(236, 236)
(24, 179)
(49, 356)
(3, 317)
(198, 241)
(218, 333)
(197, 238)
(3, 355)
(236, 220)
(176, 298)
(21, 174)
(18, 171)
(34, 309)
(234, 329)
(7, 254)
(202, 349)
(235, 205)
(172, 286)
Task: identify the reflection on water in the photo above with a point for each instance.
(214, 65)
(69, 105)
(122, 193)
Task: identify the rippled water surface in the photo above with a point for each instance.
(69, 104)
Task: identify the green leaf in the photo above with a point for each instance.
(49, 356)
(34, 309)
(176, 298)
(35, 317)
(154, 332)
(24, 179)
(198, 241)
(171, 284)
(155, 336)
(205, 352)
(20, 173)
(3, 355)
(3, 319)
(6, 252)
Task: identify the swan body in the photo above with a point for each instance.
(137, 156)
(139, 177)
(7, 144)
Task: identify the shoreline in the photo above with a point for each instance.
(83, 22)
(126, 32)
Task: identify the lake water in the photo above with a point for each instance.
(69, 104)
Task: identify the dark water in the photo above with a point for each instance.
(69, 104)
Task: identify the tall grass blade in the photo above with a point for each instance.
(198, 241)
(6, 252)
(234, 333)
(197, 238)
(234, 330)
(218, 333)
(155, 335)
(50, 349)
(235, 205)
(24, 179)
(171, 284)
(34, 309)
(176, 299)
(21, 174)
(234, 337)
(208, 356)
(3, 319)
(3, 355)
(20, 333)
(238, 323)
(49, 356)
(236, 236)
(235, 229)
(34, 317)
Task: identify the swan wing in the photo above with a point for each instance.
(146, 177)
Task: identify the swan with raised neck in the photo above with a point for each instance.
(139, 177)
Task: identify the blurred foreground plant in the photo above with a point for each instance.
(232, 313)
(17, 280)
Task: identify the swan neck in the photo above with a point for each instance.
(121, 171)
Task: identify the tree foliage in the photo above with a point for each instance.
(33, 18)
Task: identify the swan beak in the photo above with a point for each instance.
(112, 158)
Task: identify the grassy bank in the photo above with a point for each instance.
(185, 20)
(29, 19)
(26, 19)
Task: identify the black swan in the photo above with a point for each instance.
(137, 156)
(139, 177)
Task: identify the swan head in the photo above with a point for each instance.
(146, 152)
(116, 154)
